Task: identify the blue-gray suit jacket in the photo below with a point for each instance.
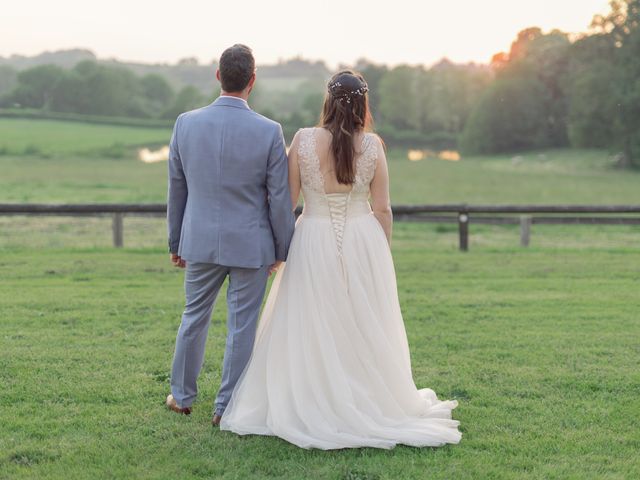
(228, 200)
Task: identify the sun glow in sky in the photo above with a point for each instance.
(337, 31)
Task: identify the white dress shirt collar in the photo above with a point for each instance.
(235, 98)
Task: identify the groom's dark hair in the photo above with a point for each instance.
(236, 66)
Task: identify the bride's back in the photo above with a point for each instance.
(327, 161)
(317, 165)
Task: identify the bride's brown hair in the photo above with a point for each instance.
(344, 113)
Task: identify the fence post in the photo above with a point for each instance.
(463, 228)
(525, 230)
(117, 226)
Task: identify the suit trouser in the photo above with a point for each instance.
(244, 298)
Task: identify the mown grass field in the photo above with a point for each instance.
(541, 346)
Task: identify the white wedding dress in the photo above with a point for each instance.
(330, 366)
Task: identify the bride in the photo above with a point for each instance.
(330, 366)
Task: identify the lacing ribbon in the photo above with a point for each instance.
(338, 206)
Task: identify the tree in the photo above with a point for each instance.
(8, 79)
(156, 88)
(188, 62)
(311, 107)
(36, 85)
(520, 46)
(112, 91)
(592, 108)
(398, 98)
(550, 55)
(429, 108)
(71, 94)
(449, 93)
(157, 93)
(187, 99)
(622, 28)
(373, 74)
(509, 117)
(527, 106)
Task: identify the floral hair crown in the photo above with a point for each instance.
(346, 87)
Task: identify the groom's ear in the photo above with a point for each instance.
(252, 80)
(218, 74)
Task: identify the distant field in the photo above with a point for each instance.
(54, 138)
(562, 177)
(548, 177)
(551, 177)
(80, 170)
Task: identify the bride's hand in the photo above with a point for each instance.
(274, 268)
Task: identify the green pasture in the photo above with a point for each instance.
(76, 162)
(540, 347)
(60, 139)
(546, 177)
(562, 178)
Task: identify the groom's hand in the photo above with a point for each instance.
(274, 268)
(178, 261)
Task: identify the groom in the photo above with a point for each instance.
(229, 215)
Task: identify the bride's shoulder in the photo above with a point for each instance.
(308, 130)
(372, 142)
(373, 138)
(303, 142)
(315, 135)
(302, 133)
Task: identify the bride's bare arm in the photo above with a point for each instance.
(294, 172)
(380, 200)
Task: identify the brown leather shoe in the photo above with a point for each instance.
(173, 405)
(215, 421)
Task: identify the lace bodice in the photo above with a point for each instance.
(337, 206)
(309, 163)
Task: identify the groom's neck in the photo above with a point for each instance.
(244, 94)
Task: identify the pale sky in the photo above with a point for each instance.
(392, 32)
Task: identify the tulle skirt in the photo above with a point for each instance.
(330, 366)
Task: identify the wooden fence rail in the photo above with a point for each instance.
(463, 214)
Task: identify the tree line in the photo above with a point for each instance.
(94, 89)
(550, 90)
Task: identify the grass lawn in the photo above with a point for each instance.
(62, 138)
(540, 348)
